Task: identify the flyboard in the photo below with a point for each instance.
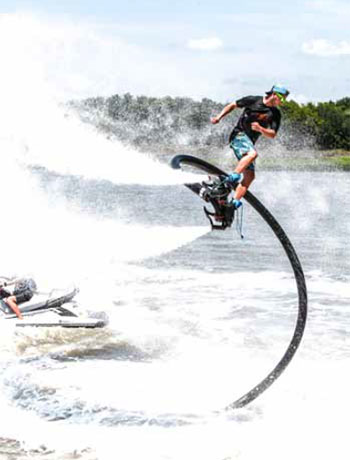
(214, 192)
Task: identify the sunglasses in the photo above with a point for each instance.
(281, 97)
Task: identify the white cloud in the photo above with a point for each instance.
(206, 44)
(321, 47)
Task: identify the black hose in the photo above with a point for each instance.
(298, 274)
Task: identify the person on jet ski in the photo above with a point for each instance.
(23, 291)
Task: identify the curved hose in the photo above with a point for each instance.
(298, 274)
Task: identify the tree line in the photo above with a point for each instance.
(146, 121)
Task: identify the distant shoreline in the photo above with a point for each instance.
(338, 158)
(330, 160)
(314, 136)
(313, 160)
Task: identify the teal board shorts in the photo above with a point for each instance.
(241, 145)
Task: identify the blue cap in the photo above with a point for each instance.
(280, 90)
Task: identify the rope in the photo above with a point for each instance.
(239, 222)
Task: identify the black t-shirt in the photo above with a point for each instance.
(4, 293)
(255, 110)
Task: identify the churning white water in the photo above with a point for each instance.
(196, 318)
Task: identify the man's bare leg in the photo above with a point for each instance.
(242, 188)
(248, 175)
(245, 161)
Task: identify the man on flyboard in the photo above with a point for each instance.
(260, 116)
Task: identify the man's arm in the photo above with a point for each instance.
(11, 302)
(267, 132)
(227, 109)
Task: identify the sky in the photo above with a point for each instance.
(220, 50)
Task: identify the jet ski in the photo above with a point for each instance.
(56, 309)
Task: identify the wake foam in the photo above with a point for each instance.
(37, 129)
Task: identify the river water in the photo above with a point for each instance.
(197, 318)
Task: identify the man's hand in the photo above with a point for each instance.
(267, 132)
(256, 127)
(215, 120)
(227, 109)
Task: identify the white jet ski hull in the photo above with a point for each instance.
(70, 322)
(55, 311)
